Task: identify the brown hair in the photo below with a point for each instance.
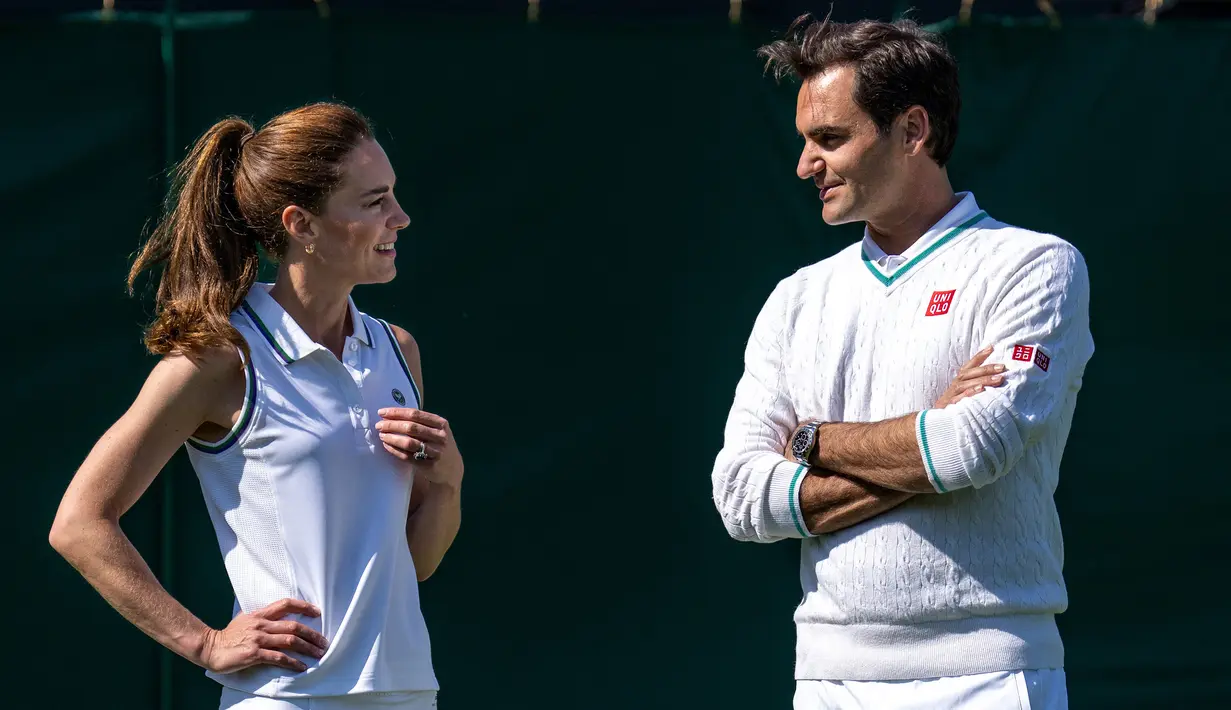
(225, 206)
(897, 65)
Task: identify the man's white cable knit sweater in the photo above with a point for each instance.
(964, 581)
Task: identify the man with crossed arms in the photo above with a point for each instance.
(932, 556)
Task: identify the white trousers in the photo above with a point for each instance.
(1022, 690)
(417, 700)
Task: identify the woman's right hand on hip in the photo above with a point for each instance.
(264, 637)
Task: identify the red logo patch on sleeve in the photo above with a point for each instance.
(1029, 353)
(940, 302)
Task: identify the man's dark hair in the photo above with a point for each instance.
(897, 65)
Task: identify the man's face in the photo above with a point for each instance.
(854, 167)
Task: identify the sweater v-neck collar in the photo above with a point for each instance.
(889, 269)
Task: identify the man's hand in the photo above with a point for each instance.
(886, 453)
(972, 379)
(405, 432)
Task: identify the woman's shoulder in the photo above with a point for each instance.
(406, 341)
(186, 388)
(206, 367)
(408, 350)
(381, 328)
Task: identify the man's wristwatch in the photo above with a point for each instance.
(803, 443)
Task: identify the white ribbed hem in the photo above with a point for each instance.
(782, 499)
(936, 434)
(933, 650)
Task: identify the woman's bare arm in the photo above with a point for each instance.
(173, 403)
(179, 397)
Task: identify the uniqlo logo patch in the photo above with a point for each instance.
(940, 303)
(1029, 353)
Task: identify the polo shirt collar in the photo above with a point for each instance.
(965, 209)
(284, 336)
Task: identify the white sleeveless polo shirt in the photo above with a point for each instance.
(307, 504)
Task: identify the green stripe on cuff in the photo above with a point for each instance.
(927, 454)
(799, 474)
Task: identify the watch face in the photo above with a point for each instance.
(802, 443)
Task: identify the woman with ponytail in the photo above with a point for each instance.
(332, 492)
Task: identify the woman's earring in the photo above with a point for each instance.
(310, 248)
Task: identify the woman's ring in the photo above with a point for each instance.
(421, 454)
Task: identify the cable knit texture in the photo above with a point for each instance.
(964, 581)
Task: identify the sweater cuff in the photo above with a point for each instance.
(936, 433)
(783, 499)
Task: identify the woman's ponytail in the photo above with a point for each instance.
(207, 249)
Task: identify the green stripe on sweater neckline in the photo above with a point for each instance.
(904, 268)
